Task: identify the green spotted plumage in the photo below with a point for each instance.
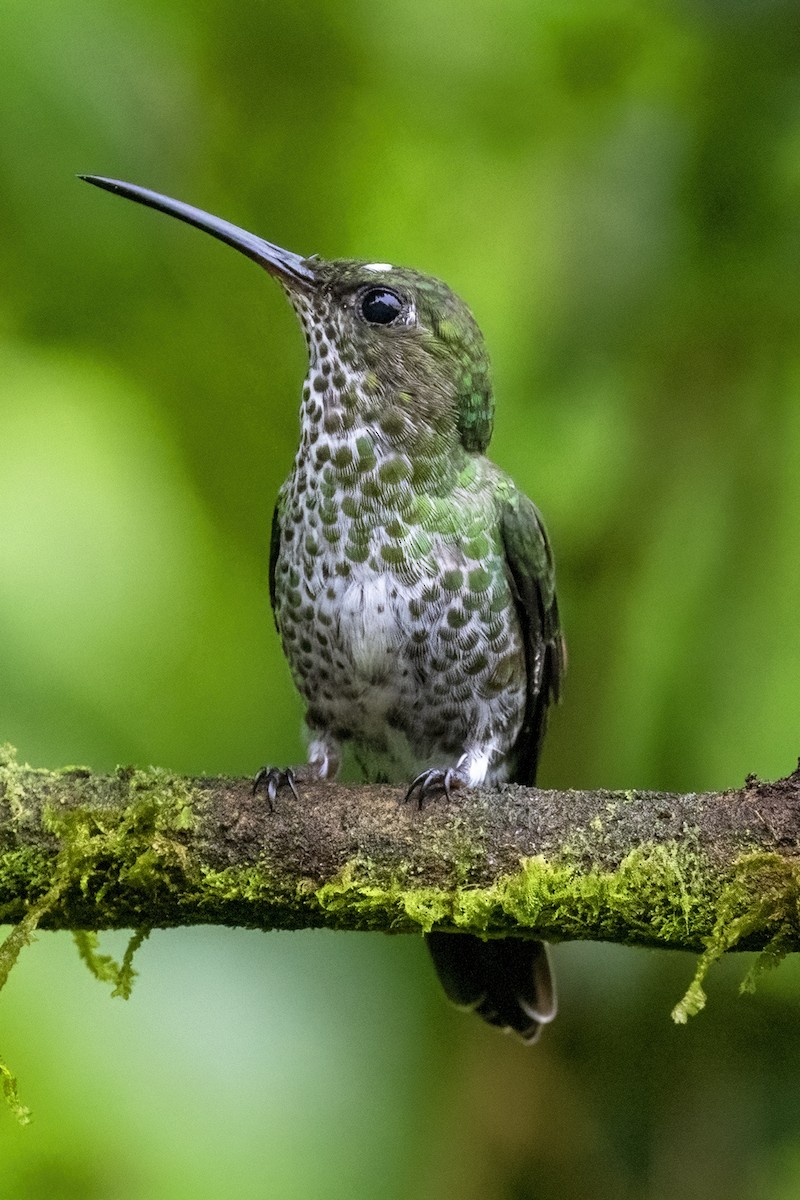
(411, 581)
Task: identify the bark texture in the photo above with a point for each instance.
(146, 849)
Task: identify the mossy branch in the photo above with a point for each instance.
(707, 872)
(146, 849)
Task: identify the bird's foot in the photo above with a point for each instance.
(272, 779)
(435, 782)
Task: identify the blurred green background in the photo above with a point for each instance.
(615, 188)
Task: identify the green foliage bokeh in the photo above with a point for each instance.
(615, 188)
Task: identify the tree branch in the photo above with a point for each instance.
(146, 849)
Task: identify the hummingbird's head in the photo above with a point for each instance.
(387, 345)
(402, 339)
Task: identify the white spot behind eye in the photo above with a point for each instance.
(377, 266)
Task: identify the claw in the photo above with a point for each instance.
(433, 782)
(273, 779)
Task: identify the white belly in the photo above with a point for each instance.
(369, 628)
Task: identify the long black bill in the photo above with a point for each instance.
(282, 263)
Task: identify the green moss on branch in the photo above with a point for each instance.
(147, 849)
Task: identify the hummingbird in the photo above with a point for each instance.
(411, 581)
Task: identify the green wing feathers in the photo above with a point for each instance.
(274, 550)
(532, 575)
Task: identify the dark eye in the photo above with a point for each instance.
(380, 306)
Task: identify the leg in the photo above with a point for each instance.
(324, 760)
(471, 771)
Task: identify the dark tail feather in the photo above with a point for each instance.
(507, 981)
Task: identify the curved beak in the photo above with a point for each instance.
(282, 263)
